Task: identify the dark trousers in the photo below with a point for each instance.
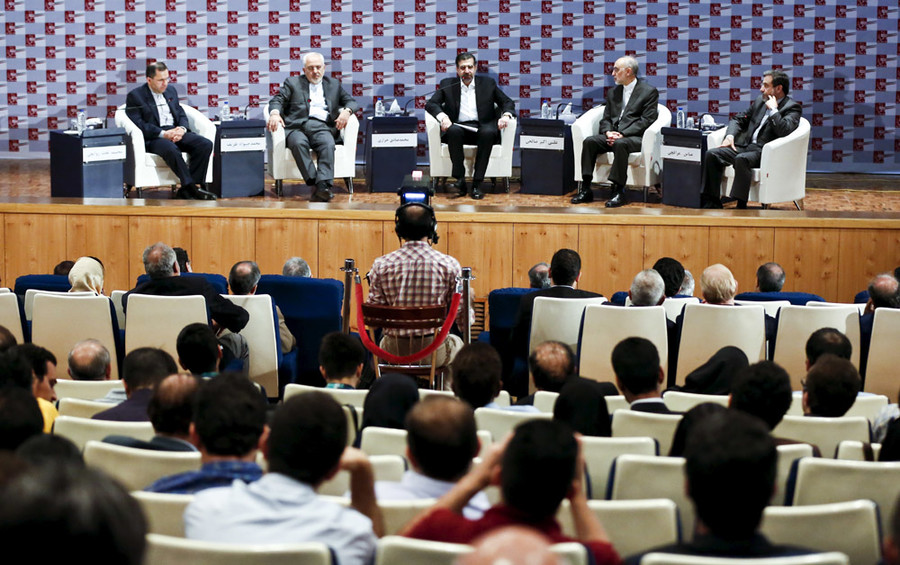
(196, 146)
(594, 145)
(744, 160)
(484, 139)
(318, 136)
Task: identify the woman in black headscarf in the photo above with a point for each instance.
(716, 375)
(581, 404)
(388, 401)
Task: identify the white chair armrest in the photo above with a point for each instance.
(276, 147)
(715, 138)
(433, 132)
(508, 136)
(199, 122)
(651, 142)
(586, 125)
(350, 134)
(788, 149)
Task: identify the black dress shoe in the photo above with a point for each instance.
(460, 187)
(322, 195)
(182, 194)
(583, 197)
(617, 200)
(202, 194)
(189, 192)
(741, 204)
(476, 193)
(712, 204)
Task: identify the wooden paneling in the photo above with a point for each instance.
(144, 231)
(219, 243)
(338, 240)
(690, 245)
(864, 254)
(610, 257)
(742, 250)
(104, 237)
(809, 258)
(34, 244)
(391, 242)
(279, 240)
(487, 249)
(534, 243)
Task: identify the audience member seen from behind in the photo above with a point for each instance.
(47, 450)
(512, 545)
(63, 267)
(388, 402)
(827, 340)
(305, 447)
(769, 277)
(229, 422)
(341, 360)
(296, 267)
(539, 466)
(7, 339)
(43, 370)
(730, 478)
(688, 422)
(639, 375)
(582, 406)
(142, 370)
(198, 350)
(243, 280)
(831, 387)
(884, 292)
(184, 262)
(441, 442)
(550, 365)
(539, 276)
(647, 289)
(89, 360)
(88, 516)
(20, 417)
(717, 374)
(87, 275)
(477, 371)
(672, 273)
(687, 286)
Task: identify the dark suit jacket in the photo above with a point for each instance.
(292, 101)
(639, 115)
(158, 443)
(141, 109)
(487, 94)
(522, 329)
(133, 409)
(779, 124)
(225, 313)
(652, 407)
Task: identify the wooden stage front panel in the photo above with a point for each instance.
(830, 254)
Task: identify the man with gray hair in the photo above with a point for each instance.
(243, 280)
(718, 285)
(312, 108)
(647, 289)
(687, 285)
(539, 276)
(884, 292)
(161, 265)
(296, 267)
(89, 361)
(630, 109)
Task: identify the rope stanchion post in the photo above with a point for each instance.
(349, 270)
(464, 281)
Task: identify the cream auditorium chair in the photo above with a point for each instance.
(168, 550)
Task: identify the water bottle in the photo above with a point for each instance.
(545, 110)
(379, 107)
(82, 121)
(226, 112)
(679, 117)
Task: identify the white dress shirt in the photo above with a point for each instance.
(762, 122)
(162, 108)
(627, 90)
(318, 108)
(468, 109)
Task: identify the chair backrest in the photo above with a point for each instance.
(404, 317)
(674, 306)
(347, 396)
(884, 355)
(32, 292)
(795, 298)
(633, 526)
(832, 558)
(81, 408)
(425, 392)
(82, 430)
(636, 477)
(868, 406)
(218, 282)
(384, 467)
(826, 433)
(59, 321)
(558, 319)
(787, 454)
(616, 402)
(53, 283)
(850, 450)
(311, 309)
(632, 423)
(605, 326)
(10, 316)
(262, 339)
(823, 304)
(848, 527)
(166, 550)
(155, 321)
(84, 390)
(770, 306)
(708, 328)
(502, 422)
(383, 441)
(395, 514)
(164, 512)
(600, 452)
(116, 297)
(678, 401)
(395, 549)
(821, 481)
(138, 468)
(797, 323)
(544, 400)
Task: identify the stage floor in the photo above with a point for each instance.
(28, 180)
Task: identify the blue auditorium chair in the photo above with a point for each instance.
(503, 304)
(219, 282)
(795, 298)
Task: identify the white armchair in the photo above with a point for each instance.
(781, 176)
(644, 166)
(148, 169)
(283, 166)
(499, 164)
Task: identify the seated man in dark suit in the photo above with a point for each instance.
(464, 105)
(155, 110)
(630, 109)
(143, 369)
(772, 115)
(639, 375)
(884, 292)
(171, 408)
(769, 277)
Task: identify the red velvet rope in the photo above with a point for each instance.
(406, 359)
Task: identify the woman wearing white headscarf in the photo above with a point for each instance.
(87, 275)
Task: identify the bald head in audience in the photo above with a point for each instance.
(172, 407)
(831, 387)
(718, 285)
(160, 261)
(89, 361)
(511, 545)
(769, 277)
(441, 437)
(550, 364)
(884, 292)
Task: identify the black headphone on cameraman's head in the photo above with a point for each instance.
(432, 220)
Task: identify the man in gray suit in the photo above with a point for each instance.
(772, 115)
(312, 109)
